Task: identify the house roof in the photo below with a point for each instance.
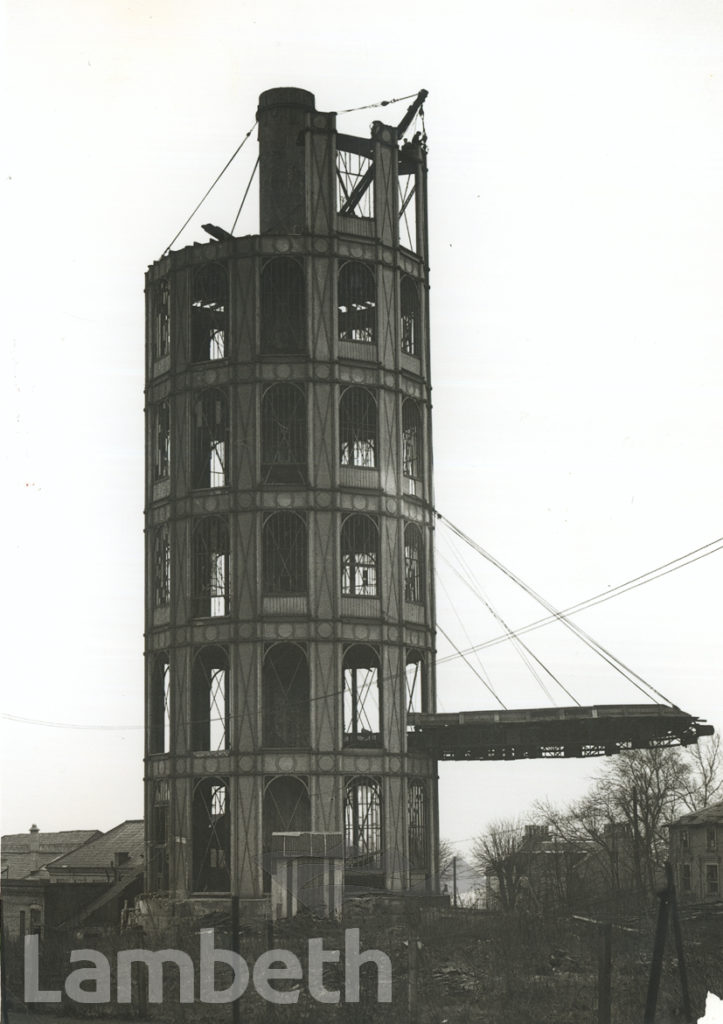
(17, 859)
(100, 852)
(713, 814)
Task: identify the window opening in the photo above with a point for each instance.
(161, 567)
(357, 303)
(283, 434)
(359, 556)
(284, 554)
(414, 672)
(354, 175)
(211, 830)
(417, 820)
(408, 211)
(162, 318)
(285, 697)
(208, 313)
(358, 428)
(286, 809)
(711, 879)
(411, 446)
(210, 445)
(160, 709)
(162, 450)
(413, 564)
(210, 567)
(685, 877)
(410, 319)
(362, 697)
(160, 810)
(710, 838)
(209, 700)
(283, 306)
(363, 825)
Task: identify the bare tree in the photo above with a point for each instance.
(705, 782)
(499, 853)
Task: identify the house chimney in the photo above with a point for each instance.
(34, 847)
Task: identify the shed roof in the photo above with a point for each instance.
(99, 853)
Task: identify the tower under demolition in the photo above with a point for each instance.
(289, 597)
(290, 682)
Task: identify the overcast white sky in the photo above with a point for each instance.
(576, 205)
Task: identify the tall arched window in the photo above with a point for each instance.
(210, 567)
(359, 556)
(209, 700)
(283, 306)
(363, 826)
(286, 808)
(159, 733)
(211, 834)
(358, 428)
(161, 566)
(417, 825)
(284, 549)
(210, 439)
(283, 434)
(162, 440)
(414, 673)
(160, 835)
(413, 564)
(285, 696)
(411, 445)
(161, 306)
(362, 703)
(357, 298)
(208, 313)
(409, 314)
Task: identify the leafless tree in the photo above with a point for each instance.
(705, 782)
(499, 853)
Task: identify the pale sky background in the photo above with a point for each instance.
(576, 226)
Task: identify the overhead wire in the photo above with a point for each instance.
(381, 103)
(210, 190)
(522, 649)
(638, 581)
(616, 663)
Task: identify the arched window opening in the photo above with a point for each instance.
(410, 318)
(286, 808)
(210, 567)
(362, 704)
(283, 434)
(161, 318)
(208, 313)
(210, 439)
(285, 697)
(362, 828)
(411, 446)
(414, 673)
(357, 303)
(417, 825)
(359, 556)
(284, 550)
(283, 306)
(358, 428)
(211, 832)
(413, 564)
(160, 705)
(160, 834)
(162, 439)
(161, 567)
(209, 700)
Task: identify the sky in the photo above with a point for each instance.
(576, 233)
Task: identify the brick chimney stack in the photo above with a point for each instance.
(35, 846)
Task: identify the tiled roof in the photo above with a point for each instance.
(99, 853)
(710, 815)
(19, 862)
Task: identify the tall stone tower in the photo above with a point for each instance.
(289, 588)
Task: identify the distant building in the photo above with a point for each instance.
(86, 883)
(25, 852)
(695, 853)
